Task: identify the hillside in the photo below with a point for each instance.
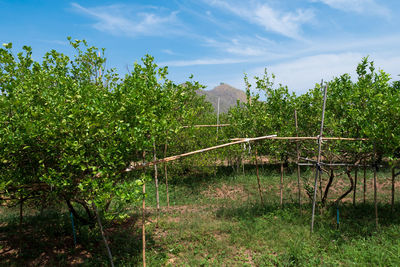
(228, 96)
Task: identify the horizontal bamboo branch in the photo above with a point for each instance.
(138, 165)
(206, 125)
(311, 138)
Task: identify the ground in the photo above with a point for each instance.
(220, 221)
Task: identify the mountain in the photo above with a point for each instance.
(228, 96)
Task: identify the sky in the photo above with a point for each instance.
(301, 42)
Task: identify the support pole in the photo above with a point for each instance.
(375, 190)
(317, 169)
(103, 235)
(73, 228)
(365, 182)
(166, 173)
(298, 160)
(218, 117)
(258, 179)
(281, 189)
(144, 224)
(393, 183)
(156, 178)
(355, 186)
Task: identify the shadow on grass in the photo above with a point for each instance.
(46, 240)
(358, 221)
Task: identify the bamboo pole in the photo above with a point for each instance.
(298, 160)
(317, 167)
(103, 235)
(144, 215)
(281, 186)
(365, 182)
(258, 178)
(393, 183)
(300, 138)
(166, 173)
(375, 190)
(355, 186)
(156, 177)
(136, 166)
(144, 224)
(206, 125)
(218, 117)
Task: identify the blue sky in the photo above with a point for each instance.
(301, 42)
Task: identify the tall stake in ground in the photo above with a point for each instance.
(156, 177)
(144, 224)
(365, 181)
(103, 235)
(375, 190)
(298, 159)
(355, 185)
(393, 181)
(317, 167)
(281, 188)
(258, 179)
(166, 173)
(144, 216)
(217, 117)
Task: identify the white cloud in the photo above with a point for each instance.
(205, 61)
(273, 20)
(118, 20)
(168, 52)
(358, 6)
(241, 46)
(303, 73)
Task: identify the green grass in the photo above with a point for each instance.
(220, 221)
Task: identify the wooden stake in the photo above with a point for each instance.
(355, 186)
(20, 222)
(166, 173)
(298, 160)
(258, 180)
(365, 182)
(103, 235)
(281, 189)
(144, 224)
(218, 117)
(393, 183)
(317, 167)
(156, 178)
(20, 212)
(375, 190)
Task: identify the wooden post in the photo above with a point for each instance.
(355, 186)
(217, 117)
(258, 179)
(20, 212)
(144, 216)
(298, 160)
(156, 177)
(144, 224)
(20, 222)
(166, 173)
(317, 167)
(281, 191)
(375, 190)
(393, 183)
(365, 181)
(103, 235)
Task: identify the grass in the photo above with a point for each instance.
(220, 221)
